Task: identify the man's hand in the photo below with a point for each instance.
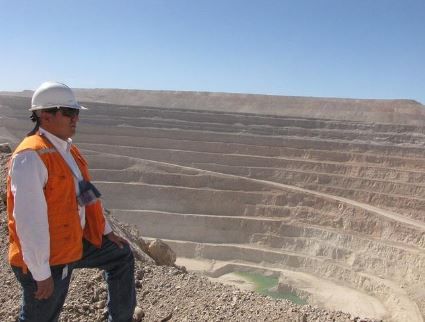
(116, 239)
(44, 289)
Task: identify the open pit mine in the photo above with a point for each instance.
(327, 196)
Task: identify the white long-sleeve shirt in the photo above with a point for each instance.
(28, 177)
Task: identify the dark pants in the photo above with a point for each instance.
(118, 264)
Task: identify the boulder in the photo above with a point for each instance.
(132, 235)
(138, 314)
(5, 148)
(162, 253)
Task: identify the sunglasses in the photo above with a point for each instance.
(69, 112)
(66, 111)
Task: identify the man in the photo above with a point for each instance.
(56, 221)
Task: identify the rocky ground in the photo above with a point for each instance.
(164, 293)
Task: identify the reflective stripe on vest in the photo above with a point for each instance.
(46, 150)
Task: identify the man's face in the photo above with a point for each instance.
(62, 123)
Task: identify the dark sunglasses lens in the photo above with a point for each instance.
(69, 112)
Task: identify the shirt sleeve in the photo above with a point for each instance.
(108, 228)
(28, 177)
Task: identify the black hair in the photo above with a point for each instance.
(35, 119)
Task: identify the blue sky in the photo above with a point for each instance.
(324, 48)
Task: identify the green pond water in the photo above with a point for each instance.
(265, 284)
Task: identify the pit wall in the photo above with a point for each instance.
(295, 205)
(395, 299)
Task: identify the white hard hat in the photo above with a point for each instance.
(53, 94)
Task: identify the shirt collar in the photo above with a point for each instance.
(57, 142)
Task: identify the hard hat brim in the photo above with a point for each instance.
(38, 108)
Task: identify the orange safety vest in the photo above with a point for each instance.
(65, 229)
